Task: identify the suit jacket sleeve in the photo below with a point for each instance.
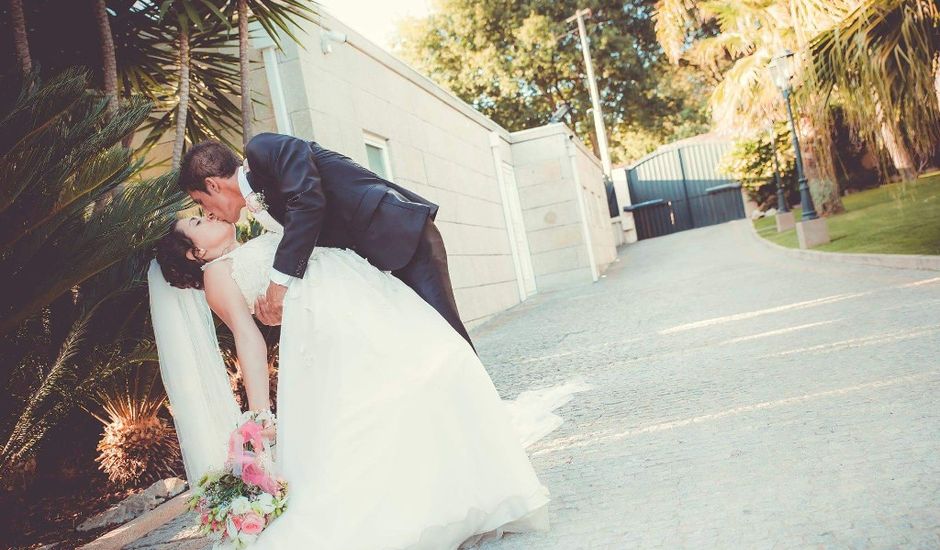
(288, 163)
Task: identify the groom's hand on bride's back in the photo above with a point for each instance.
(268, 308)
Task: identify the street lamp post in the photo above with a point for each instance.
(781, 196)
(781, 68)
(811, 231)
(784, 217)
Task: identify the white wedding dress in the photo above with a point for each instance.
(390, 432)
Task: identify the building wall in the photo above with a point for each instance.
(552, 169)
(628, 225)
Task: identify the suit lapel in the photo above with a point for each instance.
(249, 175)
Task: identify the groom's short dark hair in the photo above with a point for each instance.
(206, 159)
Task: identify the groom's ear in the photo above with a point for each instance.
(213, 186)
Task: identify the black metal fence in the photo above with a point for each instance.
(685, 179)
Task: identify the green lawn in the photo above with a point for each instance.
(902, 218)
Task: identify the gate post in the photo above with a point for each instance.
(685, 188)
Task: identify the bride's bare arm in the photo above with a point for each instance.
(227, 302)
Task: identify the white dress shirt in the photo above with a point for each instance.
(277, 277)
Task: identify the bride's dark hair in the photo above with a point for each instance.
(178, 270)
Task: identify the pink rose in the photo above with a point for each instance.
(251, 523)
(237, 521)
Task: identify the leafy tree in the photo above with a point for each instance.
(751, 161)
(518, 61)
(735, 40)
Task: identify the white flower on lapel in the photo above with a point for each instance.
(255, 202)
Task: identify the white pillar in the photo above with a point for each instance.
(582, 210)
(507, 215)
(276, 90)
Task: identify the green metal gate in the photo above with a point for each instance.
(678, 188)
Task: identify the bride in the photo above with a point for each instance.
(390, 433)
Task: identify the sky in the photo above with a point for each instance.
(375, 19)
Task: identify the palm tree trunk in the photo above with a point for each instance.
(897, 149)
(109, 61)
(20, 40)
(819, 170)
(243, 69)
(183, 106)
(936, 78)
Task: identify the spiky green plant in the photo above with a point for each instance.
(72, 308)
(138, 446)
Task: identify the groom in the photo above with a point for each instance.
(323, 198)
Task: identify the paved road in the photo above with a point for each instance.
(742, 399)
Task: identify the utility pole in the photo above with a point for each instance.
(592, 85)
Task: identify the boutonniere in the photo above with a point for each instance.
(255, 202)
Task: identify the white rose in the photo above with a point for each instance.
(264, 504)
(240, 505)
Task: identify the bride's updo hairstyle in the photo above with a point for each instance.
(178, 270)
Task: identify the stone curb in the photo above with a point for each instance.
(896, 261)
(140, 526)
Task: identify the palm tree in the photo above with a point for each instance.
(183, 106)
(57, 156)
(244, 70)
(20, 40)
(883, 57)
(108, 59)
(189, 15)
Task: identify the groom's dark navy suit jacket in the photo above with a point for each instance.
(324, 198)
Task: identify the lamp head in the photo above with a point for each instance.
(560, 112)
(781, 70)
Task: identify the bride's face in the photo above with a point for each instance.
(210, 237)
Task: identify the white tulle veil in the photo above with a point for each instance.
(201, 400)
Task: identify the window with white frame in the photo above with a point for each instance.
(377, 155)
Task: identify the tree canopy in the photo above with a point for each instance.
(518, 61)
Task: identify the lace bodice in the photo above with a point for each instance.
(252, 261)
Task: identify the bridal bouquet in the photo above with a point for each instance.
(239, 501)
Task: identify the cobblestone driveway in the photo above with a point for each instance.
(742, 399)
